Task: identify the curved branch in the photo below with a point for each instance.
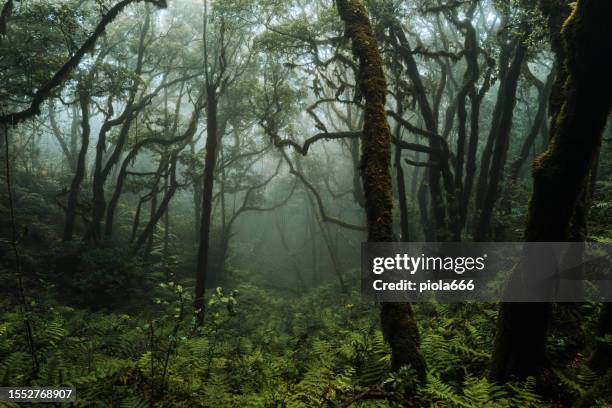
(414, 129)
(317, 196)
(245, 207)
(416, 147)
(14, 118)
(303, 149)
(421, 164)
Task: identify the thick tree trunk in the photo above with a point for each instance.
(207, 195)
(601, 360)
(79, 174)
(560, 176)
(555, 12)
(398, 323)
(561, 172)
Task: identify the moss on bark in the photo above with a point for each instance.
(398, 323)
(560, 175)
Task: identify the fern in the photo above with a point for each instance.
(578, 382)
(524, 394)
(134, 401)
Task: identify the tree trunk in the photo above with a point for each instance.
(357, 186)
(158, 211)
(207, 195)
(470, 165)
(507, 99)
(487, 152)
(560, 176)
(312, 231)
(428, 230)
(147, 236)
(468, 88)
(555, 12)
(66, 149)
(79, 174)
(129, 114)
(601, 360)
(528, 143)
(398, 323)
(401, 183)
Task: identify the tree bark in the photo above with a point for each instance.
(487, 152)
(398, 322)
(555, 12)
(79, 174)
(507, 99)
(528, 143)
(560, 175)
(399, 177)
(66, 150)
(129, 114)
(158, 211)
(207, 196)
(601, 360)
(470, 165)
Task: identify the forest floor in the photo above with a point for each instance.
(122, 333)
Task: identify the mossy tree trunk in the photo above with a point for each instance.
(560, 176)
(555, 12)
(543, 90)
(398, 323)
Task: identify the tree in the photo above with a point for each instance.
(63, 73)
(557, 186)
(397, 319)
(227, 64)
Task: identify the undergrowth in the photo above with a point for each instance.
(260, 349)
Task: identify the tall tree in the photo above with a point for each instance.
(223, 65)
(398, 322)
(560, 176)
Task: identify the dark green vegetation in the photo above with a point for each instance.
(186, 185)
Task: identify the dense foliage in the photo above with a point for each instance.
(186, 185)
